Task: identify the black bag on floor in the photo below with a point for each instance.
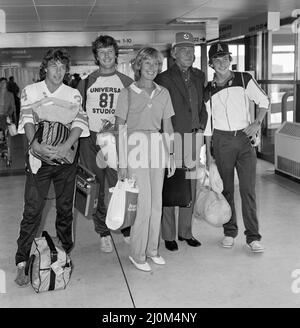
(177, 190)
(50, 267)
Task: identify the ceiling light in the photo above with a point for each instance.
(192, 21)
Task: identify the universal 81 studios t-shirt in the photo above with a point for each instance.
(101, 101)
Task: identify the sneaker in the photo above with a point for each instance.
(158, 259)
(126, 239)
(140, 266)
(106, 244)
(256, 247)
(22, 280)
(228, 242)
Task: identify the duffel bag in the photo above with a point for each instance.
(50, 267)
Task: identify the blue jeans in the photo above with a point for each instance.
(36, 190)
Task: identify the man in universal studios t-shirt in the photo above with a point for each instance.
(101, 91)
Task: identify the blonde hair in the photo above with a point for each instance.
(142, 55)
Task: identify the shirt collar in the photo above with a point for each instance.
(135, 88)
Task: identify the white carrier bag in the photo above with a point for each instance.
(50, 267)
(122, 206)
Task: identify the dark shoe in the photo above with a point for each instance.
(171, 245)
(192, 241)
(22, 280)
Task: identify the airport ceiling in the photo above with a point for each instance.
(128, 15)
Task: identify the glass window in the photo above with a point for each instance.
(197, 61)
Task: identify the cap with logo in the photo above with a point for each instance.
(218, 49)
(184, 39)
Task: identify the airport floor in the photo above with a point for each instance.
(205, 277)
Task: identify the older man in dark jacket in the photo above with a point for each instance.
(186, 86)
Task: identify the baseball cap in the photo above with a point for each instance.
(184, 39)
(218, 49)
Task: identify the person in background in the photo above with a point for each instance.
(7, 111)
(145, 106)
(14, 89)
(7, 104)
(100, 91)
(186, 87)
(55, 65)
(233, 139)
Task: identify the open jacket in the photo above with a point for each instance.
(172, 80)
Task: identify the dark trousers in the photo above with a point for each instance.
(36, 190)
(235, 151)
(90, 155)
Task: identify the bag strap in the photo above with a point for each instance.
(129, 101)
(53, 257)
(86, 82)
(53, 250)
(211, 109)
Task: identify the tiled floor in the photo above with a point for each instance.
(208, 276)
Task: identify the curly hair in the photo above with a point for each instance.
(59, 54)
(104, 41)
(142, 55)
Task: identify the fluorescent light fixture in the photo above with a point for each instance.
(192, 21)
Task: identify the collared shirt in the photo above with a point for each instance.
(145, 111)
(193, 95)
(228, 105)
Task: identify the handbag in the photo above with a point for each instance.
(49, 266)
(177, 190)
(53, 133)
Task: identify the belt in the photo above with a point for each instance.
(230, 133)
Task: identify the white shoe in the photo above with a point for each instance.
(256, 247)
(158, 259)
(141, 266)
(106, 244)
(228, 242)
(126, 239)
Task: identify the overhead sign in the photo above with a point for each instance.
(269, 21)
(85, 39)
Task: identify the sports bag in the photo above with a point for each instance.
(50, 267)
(211, 206)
